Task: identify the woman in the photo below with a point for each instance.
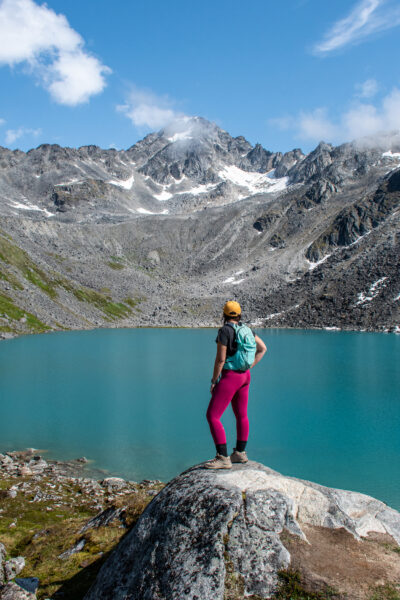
(227, 386)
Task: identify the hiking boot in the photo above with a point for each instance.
(239, 457)
(219, 462)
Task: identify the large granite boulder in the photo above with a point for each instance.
(210, 535)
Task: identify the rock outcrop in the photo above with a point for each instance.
(210, 535)
(12, 591)
(9, 590)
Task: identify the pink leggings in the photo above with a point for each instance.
(232, 387)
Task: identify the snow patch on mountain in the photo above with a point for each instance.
(372, 292)
(144, 211)
(126, 184)
(30, 206)
(390, 154)
(200, 189)
(164, 195)
(255, 182)
(233, 279)
(314, 265)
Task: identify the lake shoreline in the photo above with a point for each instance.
(5, 336)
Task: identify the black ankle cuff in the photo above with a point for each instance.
(240, 445)
(222, 449)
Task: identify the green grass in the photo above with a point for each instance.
(117, 266)
(112, 310)
(15, 313)
(392, 548)
(133, 302)
(12, 255)
(385, 592)
(41, 536)
(291, 587)
(10, 278)
(6, 329)
(41, 283)
(109, 308)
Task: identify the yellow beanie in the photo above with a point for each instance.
(232, 309)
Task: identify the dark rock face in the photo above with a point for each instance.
(358, 219)
(266, 220)
(206, 527)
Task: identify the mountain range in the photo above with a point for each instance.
(163, 233)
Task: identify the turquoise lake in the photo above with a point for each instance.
(324, 406)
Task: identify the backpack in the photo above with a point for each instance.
(246, 349)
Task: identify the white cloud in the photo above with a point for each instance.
(366, 18)
(146, 109)
(74, 77)
(44, 41)
(283, 123)
(367, 89)
(315, 125)
(2, 121)
(12, 135)
(361, 119)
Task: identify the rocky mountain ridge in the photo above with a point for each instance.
(190, 216)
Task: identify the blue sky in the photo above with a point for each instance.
(283, 74)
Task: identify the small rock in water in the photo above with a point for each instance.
(82, 459)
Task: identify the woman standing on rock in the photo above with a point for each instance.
(238, 350)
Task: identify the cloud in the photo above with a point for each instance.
(311, 125)
(367, 89)
(44, 42)
(12, 135)
(146, 109)
(366, 18)
(359, 120)
(2, 121)
(315, 125)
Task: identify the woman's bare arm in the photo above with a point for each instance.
(260, 351)
(219, 363)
